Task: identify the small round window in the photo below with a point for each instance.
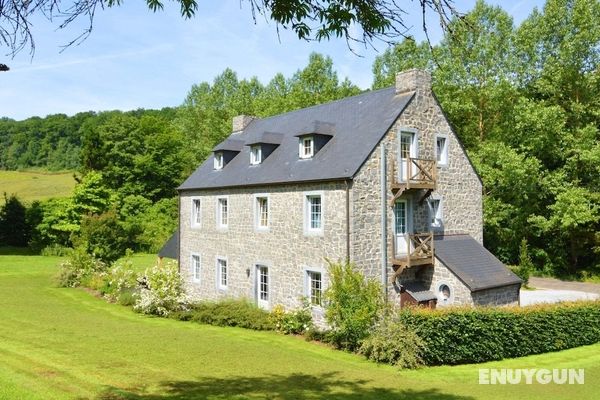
(444, 292)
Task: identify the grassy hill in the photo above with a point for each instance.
(58, 343)
(30, 186)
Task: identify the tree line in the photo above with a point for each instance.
(523, 100)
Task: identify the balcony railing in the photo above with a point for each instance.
(419, 251)
(420, 173)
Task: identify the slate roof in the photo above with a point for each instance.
(171, 248)
(472, 263)
(357, 124)
(418, 291)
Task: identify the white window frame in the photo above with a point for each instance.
(444, 156)
(308, 287)
(308, 230)
(219, 161)
(255, 154)
(440, 300)
(439, 216)
(265, 304)
(302, 149)
(196, 277)
(196, 214)
(219, 273)
(257, 212)
(219, 213)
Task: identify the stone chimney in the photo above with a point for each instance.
(240, 122)
(413, 80)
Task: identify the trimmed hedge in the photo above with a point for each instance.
(240, 313)
(473, 335)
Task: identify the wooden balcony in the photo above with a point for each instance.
(420, 173)
(419, 251)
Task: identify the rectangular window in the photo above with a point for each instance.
(255, 155)
(441, 145)
(435, 213)
(314, 287)
(313, 213)
(262, 286)
(218, 164)
(222, 272)
(307, 147)
(262, 212)
(196, 213)
(222, 212)
(196, 267)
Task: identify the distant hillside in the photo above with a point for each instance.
(53, 142)
(30, 186)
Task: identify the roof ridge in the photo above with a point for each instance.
(364, 93)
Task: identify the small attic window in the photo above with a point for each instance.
(218, 163)
(255, 155)
(306, 147)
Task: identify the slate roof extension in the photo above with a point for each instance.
(472, 263)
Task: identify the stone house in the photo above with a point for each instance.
(379, 179)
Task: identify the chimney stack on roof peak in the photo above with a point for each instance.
(240, 122)
(413, 80)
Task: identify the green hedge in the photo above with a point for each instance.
(240, 313)
(472, 335)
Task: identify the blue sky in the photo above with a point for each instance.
(135, 58)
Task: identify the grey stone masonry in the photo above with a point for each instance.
(458, 185)
(412, 80)
(285, 247)
(240, 122)
(289, 250)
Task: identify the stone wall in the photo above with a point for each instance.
(458, 185)
(501, 296)
(434, 276)
(284, 248)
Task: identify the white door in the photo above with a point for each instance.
(262, 286)
(401, 226)
(407, 149)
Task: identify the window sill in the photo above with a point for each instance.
(316, 232)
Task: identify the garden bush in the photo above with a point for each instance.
(473, 335)
(119, 278)
(161, 291)
(392, 342)
(241, 313)
(353, 305)
(293, 322)
(78, 268)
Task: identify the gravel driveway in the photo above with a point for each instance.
(529, 297)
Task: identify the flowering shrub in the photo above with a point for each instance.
(161, 291)
(294, 322)
(118, 280)
(78, 268)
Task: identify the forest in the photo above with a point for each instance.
(523, 100)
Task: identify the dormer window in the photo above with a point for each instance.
(255, 155)
(218, 163)
(307, 147)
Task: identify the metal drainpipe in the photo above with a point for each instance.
(179, 231)
(384, 277)
(347, 221)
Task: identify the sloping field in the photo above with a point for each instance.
(30, 186)
(60, 343)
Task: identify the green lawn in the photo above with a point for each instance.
(64, 343)
(29, 186)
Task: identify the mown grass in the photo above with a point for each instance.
(30, 186)
(60, 343)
